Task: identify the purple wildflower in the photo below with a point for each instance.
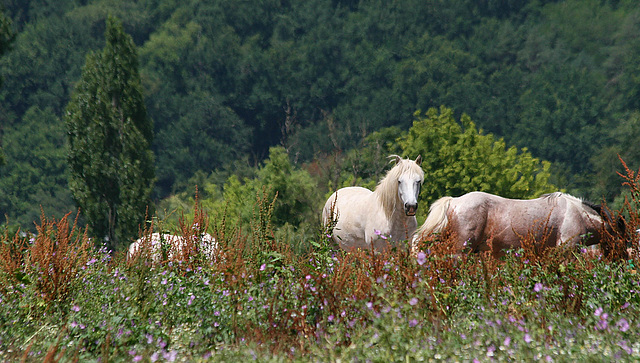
(170, 356)
(598, 312)
(623, 344)
(161, 343)
(623, 325)
(422, 258)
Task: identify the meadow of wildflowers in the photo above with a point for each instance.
(321, 305)
(62, 299)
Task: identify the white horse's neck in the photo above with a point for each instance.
(392, 207)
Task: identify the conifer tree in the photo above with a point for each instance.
(110, 134)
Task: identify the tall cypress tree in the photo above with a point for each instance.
(110, 134)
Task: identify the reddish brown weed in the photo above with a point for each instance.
(56, 256)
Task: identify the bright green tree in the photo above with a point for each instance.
(295, 188)
(109, 135)
(458, 158)
(296, 203)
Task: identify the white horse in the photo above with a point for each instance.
(378, 219)
(175, 245)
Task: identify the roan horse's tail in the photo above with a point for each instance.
(436, 220)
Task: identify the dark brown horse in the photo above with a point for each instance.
(554, 219)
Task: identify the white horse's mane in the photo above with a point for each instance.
(387, 189)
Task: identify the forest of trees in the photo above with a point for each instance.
(334, 86)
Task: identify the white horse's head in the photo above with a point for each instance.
(409, 183)
(402, 183)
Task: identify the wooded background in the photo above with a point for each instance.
(337, 85)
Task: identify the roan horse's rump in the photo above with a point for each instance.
(552, 220)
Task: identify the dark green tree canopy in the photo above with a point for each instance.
(110, 135)
(225, 80)
(6, 38)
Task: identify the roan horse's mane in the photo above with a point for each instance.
(552, 197)
(601, 211)
(578, 202)
(387, 189)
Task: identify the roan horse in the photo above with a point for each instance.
(174, 246)
(379, 219)
(554, 219)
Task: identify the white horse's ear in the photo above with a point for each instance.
(398, 158)
(419, 160)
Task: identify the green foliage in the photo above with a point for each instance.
(7, 35)
(294, 190)
(606, 162)
(36, 172)
(6, 38)
(459, 158)
(225, 81)
(549, 119)
(219, 137)
(110, 136)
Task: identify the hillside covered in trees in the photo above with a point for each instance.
(336, 84)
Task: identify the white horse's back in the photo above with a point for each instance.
(175, 245)
(346, 207)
